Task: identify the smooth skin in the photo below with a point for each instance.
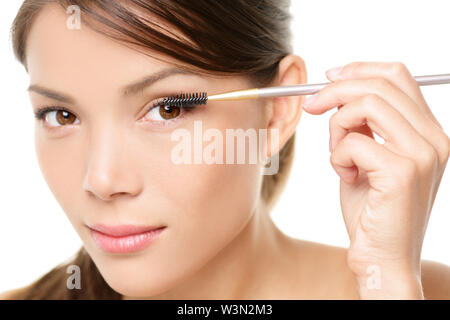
(104, 169)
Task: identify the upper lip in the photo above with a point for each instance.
(123, 230)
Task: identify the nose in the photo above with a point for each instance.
(110, 171)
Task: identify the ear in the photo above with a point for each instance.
(284, 112)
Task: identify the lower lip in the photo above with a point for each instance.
(125, 244)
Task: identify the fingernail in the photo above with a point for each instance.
(331, 73)
(310, 100)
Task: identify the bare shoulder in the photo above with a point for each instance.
(435, 280)
(14, 293)
(328, 266)
(327, 275)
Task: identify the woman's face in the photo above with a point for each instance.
(108, 160)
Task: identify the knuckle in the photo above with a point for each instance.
(405, 171)
(444, 147)
(371, 100)
(429, 158)
(369, 104)
(333, 119)
(333, 158)
(352, 66)
(352, 138)
(380, 84)
(447, 147)
(398, 68)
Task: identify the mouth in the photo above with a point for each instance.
(124, 238)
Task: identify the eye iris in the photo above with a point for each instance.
(65, 117)
(169, 112)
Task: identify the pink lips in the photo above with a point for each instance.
(124, 238)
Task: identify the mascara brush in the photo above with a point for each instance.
(186, 100)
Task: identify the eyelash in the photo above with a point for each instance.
(42, 112)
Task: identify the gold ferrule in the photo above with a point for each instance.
(236, 95)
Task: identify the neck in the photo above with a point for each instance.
(241, 270)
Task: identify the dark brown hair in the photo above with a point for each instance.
(227, 37)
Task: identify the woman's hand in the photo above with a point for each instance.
(387, 190)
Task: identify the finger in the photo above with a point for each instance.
(344, 91)
(383, 119)
(385, 169)
(363, 129)
(395, 72)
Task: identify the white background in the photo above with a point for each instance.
(35, 234)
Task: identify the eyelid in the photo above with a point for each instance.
(41, 112)
(160, 103)
(157, 103)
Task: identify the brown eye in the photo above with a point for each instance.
(56, 117)
(162, 112)
(63, 117)
(168, 112)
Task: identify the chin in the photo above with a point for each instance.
(140, 285)
(136, 278)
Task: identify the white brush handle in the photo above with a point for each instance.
(304, 89)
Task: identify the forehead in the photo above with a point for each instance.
(54, 50)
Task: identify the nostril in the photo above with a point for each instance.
(117, 194)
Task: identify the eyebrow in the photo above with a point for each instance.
(127, 90)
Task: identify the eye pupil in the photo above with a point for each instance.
(169, 112)
(65, 117)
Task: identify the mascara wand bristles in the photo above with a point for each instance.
(186, 100)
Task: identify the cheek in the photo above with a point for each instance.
(203, 191)
(204, 206)
(61, 164)
(209, 203)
